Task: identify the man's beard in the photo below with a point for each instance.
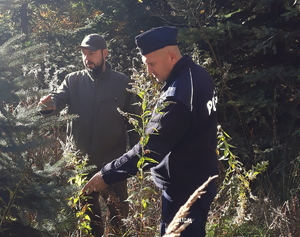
(98, 69)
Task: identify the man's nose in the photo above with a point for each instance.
(85, 57)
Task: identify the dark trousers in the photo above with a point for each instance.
(114, 196)
(174, 198)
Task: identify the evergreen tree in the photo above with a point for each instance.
(33, 184)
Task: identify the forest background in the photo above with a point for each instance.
(252, 50)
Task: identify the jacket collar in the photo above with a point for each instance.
(185, 59)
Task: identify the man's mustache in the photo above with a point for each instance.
(89, 63)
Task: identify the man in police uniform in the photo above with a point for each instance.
(182, 133)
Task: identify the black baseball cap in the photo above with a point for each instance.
(92, 42)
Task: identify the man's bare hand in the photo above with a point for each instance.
(95, 184)
(47, 103)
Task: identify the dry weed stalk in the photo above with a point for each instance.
(286, 218)
(176, 227)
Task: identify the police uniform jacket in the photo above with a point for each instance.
(99, 129)
(182, 133)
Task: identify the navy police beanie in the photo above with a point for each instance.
(156, 38)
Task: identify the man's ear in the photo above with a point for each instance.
(105, 53)
(173, 57)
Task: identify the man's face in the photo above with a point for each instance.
(93, 59)
(159, 64)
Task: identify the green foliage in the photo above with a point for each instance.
(77, 200)
(143, 195)
(144, 203)
(8, 206)
(33, 197)
(250, 48)
(32, 190)
(230, 208)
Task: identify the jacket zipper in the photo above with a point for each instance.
(94, 104)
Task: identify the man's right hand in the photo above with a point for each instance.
(47, 103)
(95, 184)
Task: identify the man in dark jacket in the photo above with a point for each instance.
(182, 133)
(100, 131)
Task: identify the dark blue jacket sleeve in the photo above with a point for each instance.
(166, 128)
